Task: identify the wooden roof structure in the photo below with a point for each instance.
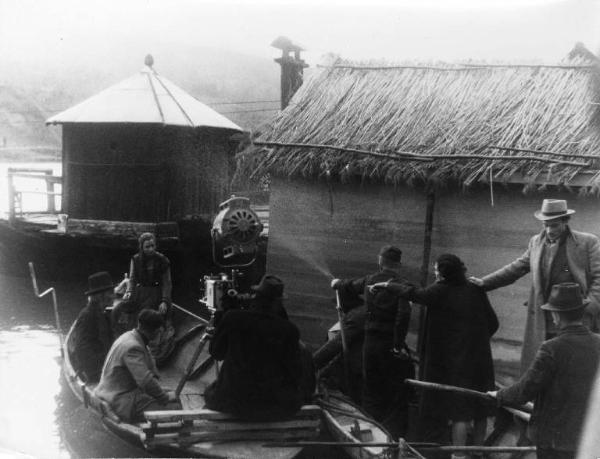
(146, 97)
(413, 123)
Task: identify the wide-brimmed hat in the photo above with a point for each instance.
(99, 282)
(269, 287)
(565, 297)
(553, 208)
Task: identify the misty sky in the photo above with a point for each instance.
(514, 30)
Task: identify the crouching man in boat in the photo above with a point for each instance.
(91, 336)
(265, 373)
(561, 377)
(384, 350)
(129, 381)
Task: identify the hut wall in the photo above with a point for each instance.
(318, 232)
(136, 172)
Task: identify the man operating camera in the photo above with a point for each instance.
(265, 374)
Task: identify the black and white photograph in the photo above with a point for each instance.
(306, 229)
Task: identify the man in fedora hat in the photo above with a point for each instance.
(384, 352)
(262, 371)
(557, 254)
(91, 335)
(561, 377)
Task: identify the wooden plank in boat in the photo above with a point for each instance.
(190, 415)
(193, 426)
(212, 426)
(196, 437)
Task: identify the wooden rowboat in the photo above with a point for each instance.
(348, 423)
(195, 431)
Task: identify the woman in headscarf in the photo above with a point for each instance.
(460, 323)
(150, 288)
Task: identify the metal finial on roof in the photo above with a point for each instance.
(149, 60)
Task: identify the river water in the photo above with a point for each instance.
(38, 414)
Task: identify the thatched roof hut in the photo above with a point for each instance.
(363, 151)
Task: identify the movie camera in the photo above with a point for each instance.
(235, 234)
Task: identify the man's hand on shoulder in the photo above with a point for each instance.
(476, 280)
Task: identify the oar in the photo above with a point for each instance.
(419, 446)
(460, 390)
(190, 368)
(345, 356)
(54, 303)
(190, 313)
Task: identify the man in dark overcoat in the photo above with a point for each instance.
(386, 326)
(561, 377)
(92, 336)
(261, 377)
(557, 254)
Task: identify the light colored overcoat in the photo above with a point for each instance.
(129, 371)
(583, 257)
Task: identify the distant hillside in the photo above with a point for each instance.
(22, 135)
(31, 91)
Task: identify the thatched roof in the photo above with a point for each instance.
(414, 123)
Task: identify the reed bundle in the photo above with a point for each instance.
(479, 122)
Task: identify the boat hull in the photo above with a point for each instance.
(189, 330)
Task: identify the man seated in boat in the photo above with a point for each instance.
(91, 336)
(265, 374)
(129, 381)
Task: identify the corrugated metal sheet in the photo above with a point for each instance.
(144, 98)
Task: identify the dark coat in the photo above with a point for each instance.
(150, 280)
(583, 258)
(90, 341)
(560, 381)
(460, 322)
(386, 312)
(261, 373)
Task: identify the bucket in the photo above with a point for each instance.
(63, 220)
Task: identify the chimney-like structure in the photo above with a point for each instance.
(292, 68)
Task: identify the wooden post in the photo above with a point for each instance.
(421, 338)
(50, 192)
(11, 196)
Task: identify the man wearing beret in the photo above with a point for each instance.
(386, 326)
(557, 254)
(561, 377)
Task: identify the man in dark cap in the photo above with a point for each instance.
(384, 348)
(561, 377)
(557, 254)
(91, 336)
(129, 381)
(261, 376)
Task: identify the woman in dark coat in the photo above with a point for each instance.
(149, 277)
(150, 288)
(460, 324)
